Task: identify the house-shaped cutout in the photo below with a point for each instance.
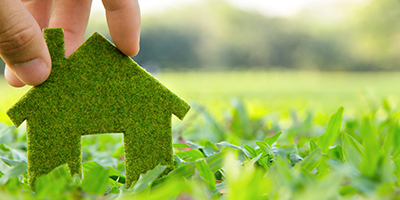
(96, 90)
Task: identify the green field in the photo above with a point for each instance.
(249, 135)
(266, 92)
(281, 91)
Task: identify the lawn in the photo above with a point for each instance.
(266, 92)
(249, 135)
(281, 91)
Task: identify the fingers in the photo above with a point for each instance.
(40, 10)
(11, 78)
(123, 18)
(72, 16)
(22, 45)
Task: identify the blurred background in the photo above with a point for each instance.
(273, 55)
(219, 35)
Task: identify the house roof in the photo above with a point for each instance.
(97, 81)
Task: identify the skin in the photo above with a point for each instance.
(22, 45)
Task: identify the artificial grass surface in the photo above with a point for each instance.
(96, 90)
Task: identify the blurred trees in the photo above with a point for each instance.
(375, 36)
(215, 35)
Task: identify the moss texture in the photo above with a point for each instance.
(96, 90)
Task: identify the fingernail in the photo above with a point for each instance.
(33, 72)
(11, 78)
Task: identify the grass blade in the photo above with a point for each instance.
(313, 145)
(312, 160)
(53, 183)
(227, 144)
(10, 162)
(206, 173)
(146, 179)
(190, 155)
(332, 132)
(95, 179)
(15, 171)
(241, 121)
(265, 148)
(272, 139)
(352, 151)
(215, 163)
(250, 152)
(371, 153)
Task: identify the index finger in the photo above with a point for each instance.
(123, 19)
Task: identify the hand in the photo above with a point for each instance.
(24, 49)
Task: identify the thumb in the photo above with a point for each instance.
(22, 45)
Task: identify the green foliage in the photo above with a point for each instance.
(272, 168)
(53, 183)
(371, 154)
(95, 179)
(328, 138)
(206, 173)
(145, 180)
(244, 154)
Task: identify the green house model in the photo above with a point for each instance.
(96, 90)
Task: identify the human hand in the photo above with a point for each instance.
(24, 49)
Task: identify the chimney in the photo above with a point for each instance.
(55, 43)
